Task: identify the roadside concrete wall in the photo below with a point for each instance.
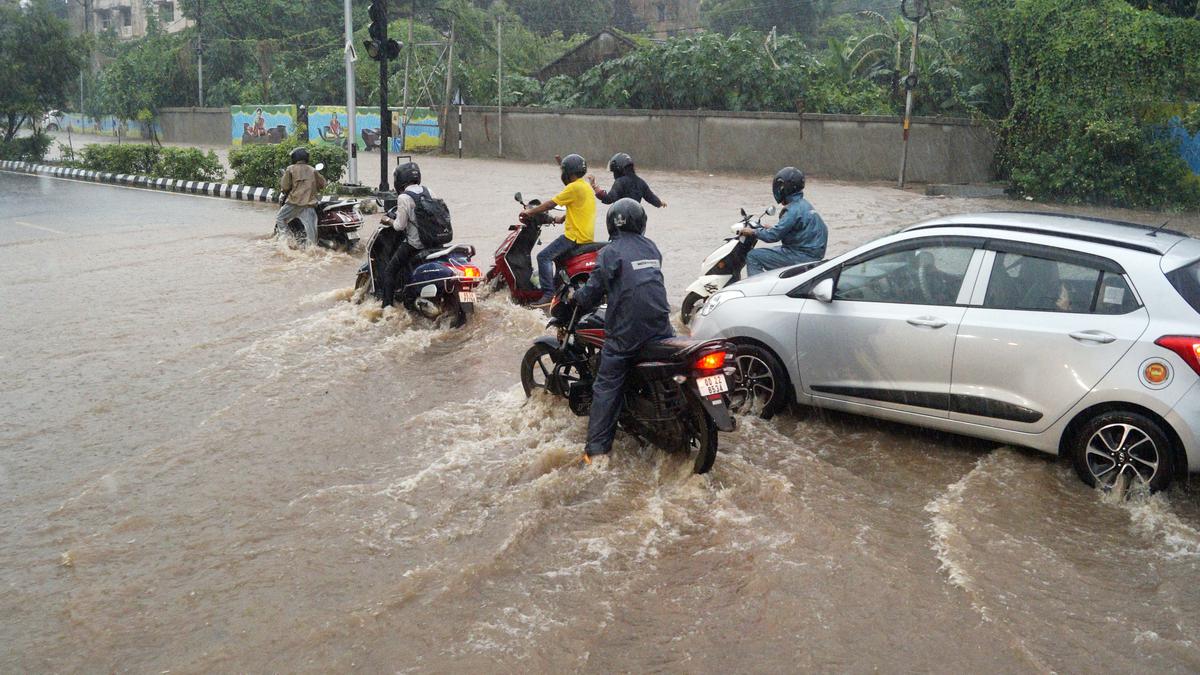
(845, 147)
(199, 126)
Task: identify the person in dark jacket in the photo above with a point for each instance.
(629, 273)
(800, 229)
(394, 262)
(626, 183)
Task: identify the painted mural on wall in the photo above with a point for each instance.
(421, 133)
(257, 124)
(106, 125)
(327, 125)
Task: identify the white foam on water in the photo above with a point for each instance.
(1152, 517)
(949, 544)
(284, 257)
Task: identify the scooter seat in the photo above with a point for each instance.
(463, 250)
(580, 249)
(670, 349)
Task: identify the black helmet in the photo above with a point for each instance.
(626, 215)
(788, 182)
(620, 164)
(299, 154)
(406, 174)
(573, 167)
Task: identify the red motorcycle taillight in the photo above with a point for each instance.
(471, 272)
(1186, 346)
(711, 361)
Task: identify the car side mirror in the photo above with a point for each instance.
(823, 291)
(771, 210)
(319, 166)
(519, 199)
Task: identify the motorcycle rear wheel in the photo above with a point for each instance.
(704, 440)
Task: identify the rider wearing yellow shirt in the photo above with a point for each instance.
(580, 201)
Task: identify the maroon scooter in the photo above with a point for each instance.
(513, 266)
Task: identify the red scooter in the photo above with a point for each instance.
(514, 263)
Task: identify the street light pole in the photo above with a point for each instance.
(351, 110)
(499, 91)
(200, 52)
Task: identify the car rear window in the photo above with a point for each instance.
(1186, 280)
(1031, 283)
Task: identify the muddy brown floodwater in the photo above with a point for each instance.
(210, 461)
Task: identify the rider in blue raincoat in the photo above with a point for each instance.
(629, 272)
(800, 228)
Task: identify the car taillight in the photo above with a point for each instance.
(711, 361)
(1186, 346)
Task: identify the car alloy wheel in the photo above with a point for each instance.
(1122, 451)
(759, 385)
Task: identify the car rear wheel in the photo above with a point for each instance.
(759, 384)
(1121, 450)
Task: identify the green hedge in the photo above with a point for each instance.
(262, 165)
(1089, 83)
(151, 160)
(26, 149)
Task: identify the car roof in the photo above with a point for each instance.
(1082, 228)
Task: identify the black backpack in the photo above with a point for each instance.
(433, 220)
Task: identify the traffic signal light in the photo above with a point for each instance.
(377, 29)
(380, 47)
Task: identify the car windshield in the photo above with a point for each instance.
(1186, 280)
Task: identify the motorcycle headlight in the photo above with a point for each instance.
(719, 298)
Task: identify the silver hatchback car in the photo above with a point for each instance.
(1067, 334)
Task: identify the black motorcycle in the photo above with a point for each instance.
(675, 397)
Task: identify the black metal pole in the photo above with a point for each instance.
(385, 120)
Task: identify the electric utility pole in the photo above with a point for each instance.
(914, 11)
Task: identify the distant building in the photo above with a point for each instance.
(606, 45)
(128, 19)
(667, 18)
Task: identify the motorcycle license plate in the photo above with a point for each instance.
(712, 385)
(352, 236)
(466, 296)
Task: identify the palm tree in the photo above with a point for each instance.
(879, 56)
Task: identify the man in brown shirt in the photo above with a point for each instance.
(302, 184)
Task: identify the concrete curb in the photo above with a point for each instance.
(192, 187)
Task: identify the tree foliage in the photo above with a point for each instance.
(146, 76)
(1085, 83)
(39, 61)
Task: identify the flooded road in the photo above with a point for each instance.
(210, 461)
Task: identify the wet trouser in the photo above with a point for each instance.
(762, 259)
(606, 399)
(395, 272)
(546, 257)
(307, 216)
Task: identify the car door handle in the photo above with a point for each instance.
(1093, 336)
(927, 322)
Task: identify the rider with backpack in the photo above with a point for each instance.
(422, 220)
